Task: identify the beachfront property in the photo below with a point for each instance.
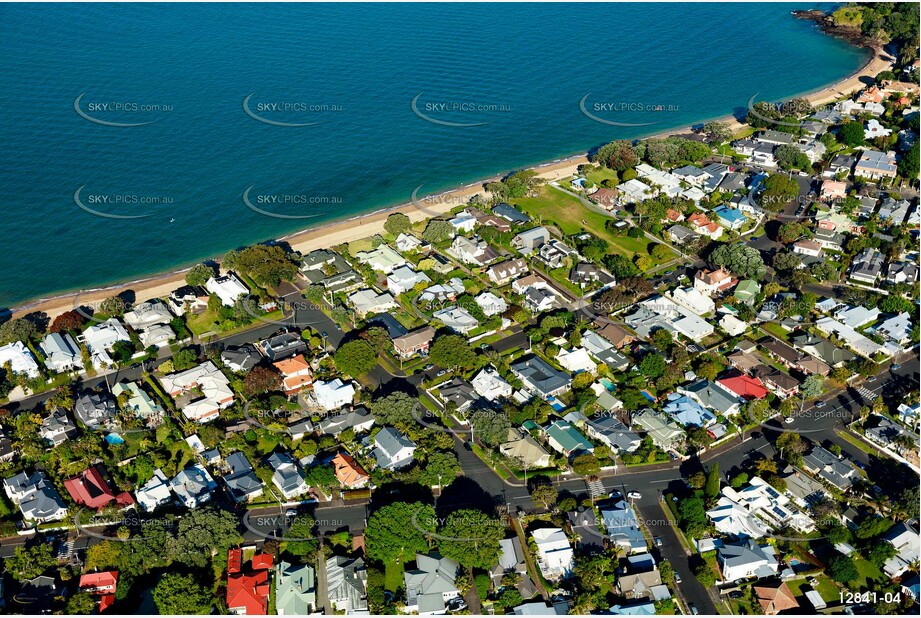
(62, 354)
(100, 339)
(228, 288)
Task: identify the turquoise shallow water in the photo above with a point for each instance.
(517, 71)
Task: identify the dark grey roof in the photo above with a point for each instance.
(347, 420)
(94, 408)
(507, 211)
(538, 372)
(390, 323)
(245, 356)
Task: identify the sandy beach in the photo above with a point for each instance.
(364, 226)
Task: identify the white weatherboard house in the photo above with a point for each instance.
(36, 497)
(490, 385)
(155, 493)
(392, 449)
(201, 392)
(334, 394)
(61, 353)
(430, 585)
(555, 556)
(100, 338)
(20, 359)
(228, 288)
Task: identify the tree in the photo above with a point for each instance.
(490, 427)
(395, 409)
(105, 555)
(791, 157)
(852, 134)
(261, 380)
(267, 265)
(791, 447)
(741, 259)
(19, 329)
(717, 131)
(302, 529)
(355, 358)
(667, 572)
(113, 306)
(699, 438)
(704, 574)
(693, 515)
(653, 365)
(186, 358)
(873, 526)
(201, 533)
(452, 352)
(712, 488)
(661, 252)
(81, 603)
(437, 230)
(779, 190)
(586, 465)
(176, 593)
(397, 224)
(440, 468)
(198, 275)
(787, 261)
(908, 165)
(544, 494)
(697, 480)
(471, 537)
(398, 531)
(618, 155)
(841, 569)
(812, 387)
(739, 480)
(67, 321)
(29, 562)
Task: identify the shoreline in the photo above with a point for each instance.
(342, 231)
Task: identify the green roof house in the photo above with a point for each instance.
(140, 403)
(295, 589)
(746, 290)
(563, 438)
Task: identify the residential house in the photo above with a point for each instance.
(703, 226)
(200, 392)
(524, 449)
(576, 360)
(403, 278)
(154, 493)
(138, 402)
(604, 351)
(606, 198)
(776, 381)
(754, 510)
(710, 395)
(644, 585)
(188, 299)
(510, 213)
(193, 486)
(511, 561)
(241, 480)
(713, 281)
(367, 301)
(692, 299)
(504, 272)
(539, 377)
(57, 428)
(608, 430)
(248, 590)
(634, 192)
(619, 336)
(586, 273)
(665, 433)
(896, 329)
(566, 440)
(904, 538)
(808, 247)
(841, 165)
(295, 589)
(867, 266)
(349, 472)
(829, 468)
(775, 599)
(95, 409)
(894, 211)
(414, 342)
(490, 385)
(680, 235)
(463, 222)
(346, 583)
(287, 475)
(296, 373)
(282, 346)
(902, 272)
(687, 412)
(228, 289)
(491, 304)
(829, 353)
(733, 325)
(744, 386)
(383, 259)
(554, 554)
(333, 394)
(458, 391)
(101, 584)
(457, 319)
(440, 292)
(745, 560)
(622, 526)
(151, 319)
(730, 218)
(875, 165)
(62, 354)
(240, 359)
(529, 241)
(430, 585)
(90, 489)
(393, 450)
(99, 340)
(36, 497)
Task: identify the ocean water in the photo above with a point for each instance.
(496, 87)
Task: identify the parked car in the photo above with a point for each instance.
(634, 495)
(821, 404)
(658, 540)
(788, 420)
(871, 379)
(895, 367)
(677, 578)
(693, 609)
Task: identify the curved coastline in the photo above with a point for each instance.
(341, 231)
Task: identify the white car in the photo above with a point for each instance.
(788, 420)
(634, 495)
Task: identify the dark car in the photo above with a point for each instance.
(467, 445)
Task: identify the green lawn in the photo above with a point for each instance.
(207, 321)
(600, 174)
(858, 443)
(826, 588)
(571, 216)
(393, 576)
(868, 572)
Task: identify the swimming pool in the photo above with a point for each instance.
(114, 438)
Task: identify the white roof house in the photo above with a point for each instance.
(193, 486)
(756, 509)
(490, 385)
(491, 304)
(20, 359)
(36, 497)
(555, 556)
(746, 559)
(228, 288)
(200, 392)
(576, 360)
(368, 301)
(407, 242)
(147, 314)
(733, 325)
(430, 585)
(457, 319)
(907, 544)
(634, 191)
(393, 450)
(897, 328)
(334, 394)
(383, 259)
(857, 316)
(693, 299)
(463, 222)
(61, 352)
(154, 493)
(101, 337)
(448, 290)
(404, 278)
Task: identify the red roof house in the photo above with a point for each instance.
(101, 584)
(248, 591)
(744, 386)
(90, 489)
